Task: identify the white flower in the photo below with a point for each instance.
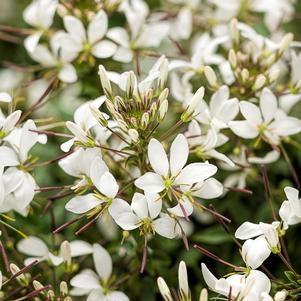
(290, 210)
(143, 213)
(77, 39)
(246, 287)
(38, 250)
(97, 286)
(56, 58)
(84, 120)
(107, 189)
(267, 120)
(79, 164)
(221, 109)
(7, 124)
(205, 144)
(142, 35)
(255, 252)
(172, 173)
(39, 14)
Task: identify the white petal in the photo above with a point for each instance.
(107, 185)
(251, 112)
(179, 152)
(68, 74)
(117, 296)
(268, 104)
(158, 158)
(119, 35)
(127, 220)
(139, 205)
(118, 207)
(82, 204)
(244, 129)
(97, 27)
(32, 41)
(228, 111)
(80, 248)
(209, 278)
(5, 97)
(75, 27)
(8, 157)
(154, 203)
(150, 182)
(102, 261)
(104, 49)
(165, 226)
(210, 189)
(11, 121)
(28, 139)
(97, 170)
(85, 281)
(247, 230)
(32, 246)
(195, 172)
(286, 126)
(255, 252)
(185, 209)
(96, 295)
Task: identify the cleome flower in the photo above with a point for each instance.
(170, 176)
(100, 286)
(143, 213)
(267, 121)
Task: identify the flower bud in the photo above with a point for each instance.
(273, 75)
(64, 288)
(153, 110)
(37, 285)
(234, 31)
(163, 95)
(164, 290)
(163, 74)
(280, 296)
(105, 82)
(51, 295)
(131, 85)
(163, 110)
(195, 100)
(232, 59)
(134, 135)
(259, 82)
(99, 116)
(183, 280)
(245, 75)
(22, 279)
(144, 120)
(65, 252)
(210, 76)
(68, 299)
(285, 43)
(204, 295)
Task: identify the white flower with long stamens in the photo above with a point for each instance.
(220, 111)
(79, 164)
(205, 144)
(84, 120)
(266, 121)
(249, 286)
(98, 287)
(38, 250)
(143, 213)
(77, 39)
(171, 175)
(39, 14)
(290, 210)
(107, 189)
(141, 35)
(56, 59)
(256, 251)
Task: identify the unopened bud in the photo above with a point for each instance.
(163, 74)
(68, 299)
(232, 59)
(273, 75)
(195, 100)
(164, 290)
(144, 120)
(163, 95)
(259, 82)
(183, 280)
(64, 288)
(280, 296)
(234, 31)
(163, 110)
(65, 252)
(245, 75)
(51, 295)
(22, 279)
(204, 295)
(99, 116)
(153, 110)
(37, 285)
(285, 43)
(131, 85)
(105, 82)
(210, 76)
(134, 135)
